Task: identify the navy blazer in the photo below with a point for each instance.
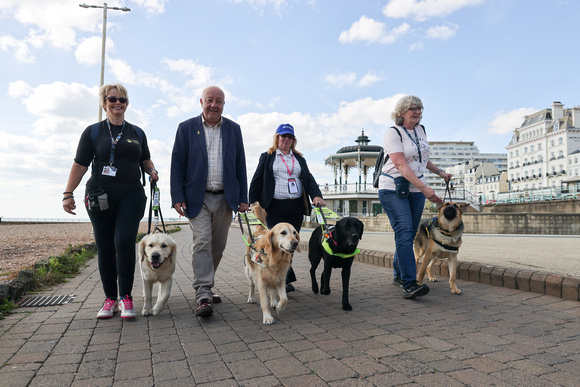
(189, 165)
(262, 185)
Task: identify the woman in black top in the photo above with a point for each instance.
(283, 185)
(117, 150)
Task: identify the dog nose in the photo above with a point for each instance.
(294, 244)
(155, 256)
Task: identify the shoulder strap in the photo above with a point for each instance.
(398, 132)
(94, 133)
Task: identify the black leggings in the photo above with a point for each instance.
(115, 232)
(291, 211)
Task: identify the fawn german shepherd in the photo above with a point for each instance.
(440, 238)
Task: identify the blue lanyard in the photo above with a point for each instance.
(416, 141)
(114, 141)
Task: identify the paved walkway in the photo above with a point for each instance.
(487, 336)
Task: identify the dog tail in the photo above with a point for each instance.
(261, 215)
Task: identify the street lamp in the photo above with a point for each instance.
(105, 8)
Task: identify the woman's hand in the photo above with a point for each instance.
(430, 194)
(318, 201)
(69, 205)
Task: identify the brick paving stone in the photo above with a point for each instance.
(209, 373)
(390, 379)
(64, 379)
(248, 369)
(94, 382)
(472, 377)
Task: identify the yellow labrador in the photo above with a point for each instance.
(157, 255)
(268, 267)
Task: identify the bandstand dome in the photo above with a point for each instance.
(361, 156)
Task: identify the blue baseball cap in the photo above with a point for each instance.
(285, 129)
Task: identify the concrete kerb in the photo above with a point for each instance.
(557, 285)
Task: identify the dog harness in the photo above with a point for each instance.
(433, 222)
(327, 237)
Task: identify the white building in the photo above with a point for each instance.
(447, 154)
(538, 154)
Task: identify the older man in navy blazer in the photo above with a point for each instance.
(208, 182)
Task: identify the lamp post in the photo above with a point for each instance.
(105, 8)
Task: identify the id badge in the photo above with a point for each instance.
(109, 171)
(292, 186)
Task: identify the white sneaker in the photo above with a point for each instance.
(109, 308)
(126, 307)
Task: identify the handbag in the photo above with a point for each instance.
(97, 200)
(401, 186)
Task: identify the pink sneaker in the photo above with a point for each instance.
(126, 307)
(109, 308)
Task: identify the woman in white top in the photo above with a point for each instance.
(402, 188)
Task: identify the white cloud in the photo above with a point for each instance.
(372, 31)
(17, 48)
(19, 89)
(89, 50)
(349, 78)
(61, 107)
(505, 123)
(421, 10)
(368, 79)
(416, 46)
(340, 79)
(277, 4)
(152, 6)
(442, 32)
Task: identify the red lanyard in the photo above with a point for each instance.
(284, 161)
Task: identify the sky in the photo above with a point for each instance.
(331, 68)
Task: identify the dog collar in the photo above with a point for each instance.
(327, 248)
(433, 221)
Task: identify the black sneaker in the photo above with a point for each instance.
(415, 290)
(289, 288)
(398, 282)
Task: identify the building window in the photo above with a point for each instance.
(552, 143)
(539, 146)
(560, 141)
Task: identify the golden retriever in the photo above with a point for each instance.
(267, 267)
(157, 256)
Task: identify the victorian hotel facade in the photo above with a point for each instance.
(544, 153)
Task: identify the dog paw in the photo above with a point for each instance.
(157, 310)
(146, 312)
(326, 292)
(456, 291)
(432, 279)
(346, 307)
(280, 308)
(268, 320)
(251, 300)
(315, 288)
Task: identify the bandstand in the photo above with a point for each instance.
(356, 198)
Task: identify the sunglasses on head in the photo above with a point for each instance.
(287, 136)
(115, 99)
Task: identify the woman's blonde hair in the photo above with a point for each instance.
(404, 104)
(275, 145)
(105, 90)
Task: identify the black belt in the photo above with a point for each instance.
(218, 192)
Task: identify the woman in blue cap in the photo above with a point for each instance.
(283, 185)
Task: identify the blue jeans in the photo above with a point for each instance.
(405, 216)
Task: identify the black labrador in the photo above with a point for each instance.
(343, 241)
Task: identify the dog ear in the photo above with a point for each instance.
(463, 207)
(142, 245)
(173, 255)
(362, 229)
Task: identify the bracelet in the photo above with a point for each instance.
(68, 197)
(439, 171)
(151, 171)
(64, 193)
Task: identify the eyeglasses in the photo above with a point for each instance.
(287, 135)
(115, 99)
(416, 109)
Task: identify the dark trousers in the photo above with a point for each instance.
(115, 232)
(290, 211)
